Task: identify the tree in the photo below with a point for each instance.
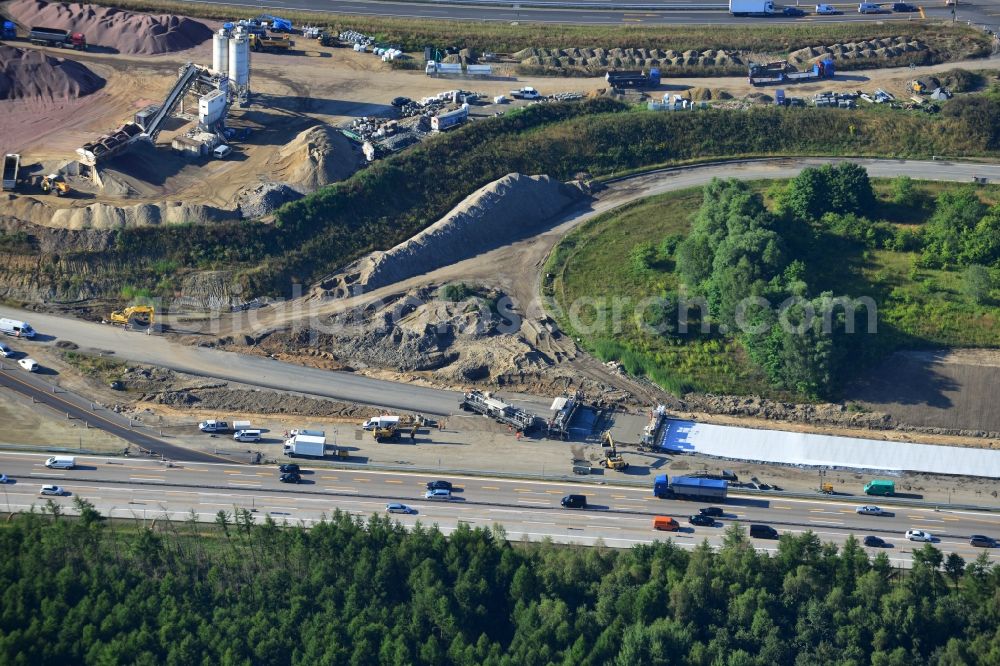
(954, 566)
(903, 190)
(977, 283)
(956, 215)
(842, 189)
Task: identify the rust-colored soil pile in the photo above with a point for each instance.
(127, 32)
(33, 75)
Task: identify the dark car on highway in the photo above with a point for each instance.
(903, 7)
(875, 542)
(290, 477)
(439, 485)
(793, 11)
(714, 511)
(982, 541)
(763, 532)
(701, 519)
(574, 501)
(289, 468)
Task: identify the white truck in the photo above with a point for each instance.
(381, 422)
(525, 93)
(19, 329)
(751, 7)
(213, 425)
(305, 446)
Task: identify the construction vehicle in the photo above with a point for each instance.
(57, 37)
(11, 165)
(54, 183)
(272, 43)
(487, 405)
(826, 488)
(140, 316)
(612, 459)
(918, 86)
(385, 434)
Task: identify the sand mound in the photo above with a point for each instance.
(501, 212)
(315, 158)
(37, 76)
(104, 216)
(142, 34)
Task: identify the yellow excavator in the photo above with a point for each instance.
(54, 183)
(140, 316)
(612, 459)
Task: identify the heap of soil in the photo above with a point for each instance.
(496, 214)
(33, 75)
(317, 157)
(127, 32)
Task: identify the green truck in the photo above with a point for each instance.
(880, 487)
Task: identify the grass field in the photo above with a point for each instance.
(950, 42)
(606, 265)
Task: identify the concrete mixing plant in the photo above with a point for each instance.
(239, 65)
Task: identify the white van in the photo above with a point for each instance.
(61, 462)
(19, 329)
(247, 435)
(221, 152)
(29, 364)
(381, 422)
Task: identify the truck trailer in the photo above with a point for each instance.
(213, 425)
(11, 165)
(56, 37)
(686, 487)
(446, 121)
(633, 78)
(305, 446)
(774, 73)
(751, 7)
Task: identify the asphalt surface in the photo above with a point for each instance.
(528, 510)
(74, 406)
(602, 12)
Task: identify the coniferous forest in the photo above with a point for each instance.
(350, 591)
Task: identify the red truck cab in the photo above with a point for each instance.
(78, 41)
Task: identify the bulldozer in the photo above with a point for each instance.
(54, 183)
(140, 316)
(612, 459)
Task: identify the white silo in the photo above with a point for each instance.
(239, 59)
(220, 51)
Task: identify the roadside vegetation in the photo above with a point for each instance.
(947, 41)
(927, 255)
(349, 591)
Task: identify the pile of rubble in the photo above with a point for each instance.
(264, 199)
(355, 37)
(886, 49)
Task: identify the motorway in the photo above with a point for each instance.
(603, 12)
(528, 510)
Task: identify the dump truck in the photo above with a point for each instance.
(685, 487)
(56, 37)
(11, 165)
(633, 78)
(305, 446)
(751, 7)
(272, 43)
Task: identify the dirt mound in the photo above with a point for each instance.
(138, 34)
(317, 157)
(104, 216)
(496, 214)
(889, 51)
(33, 75)
(264, 198)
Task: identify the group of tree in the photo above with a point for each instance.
(348, 591)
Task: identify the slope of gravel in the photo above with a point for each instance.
(34, 75)
(496, 214)
(124, 31)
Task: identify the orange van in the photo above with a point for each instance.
(665, 523)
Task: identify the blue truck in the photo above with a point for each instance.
(633, 78)
(686, 487)
(9, 30)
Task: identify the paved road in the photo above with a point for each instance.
(623, 12)
(268, 373)
(528, 510)
(32, 385)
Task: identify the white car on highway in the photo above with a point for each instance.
(919, 535)
(438, 494)
(29, 364)
(396, 507)
(872, 510)
(52, 490)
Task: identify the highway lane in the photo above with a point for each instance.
(528, 510)
(625, 12)
(74, 406)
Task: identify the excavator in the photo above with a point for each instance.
(612, 459)
(140, 316)
(55, 184)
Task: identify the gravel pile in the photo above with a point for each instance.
(884, 49)
(626, 58)
(33, 75)
(265, 198)
(127, 32)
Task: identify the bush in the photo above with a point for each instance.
(977, 283)
(458, 291)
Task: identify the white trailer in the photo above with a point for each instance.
(305, 446)
(751, 7)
